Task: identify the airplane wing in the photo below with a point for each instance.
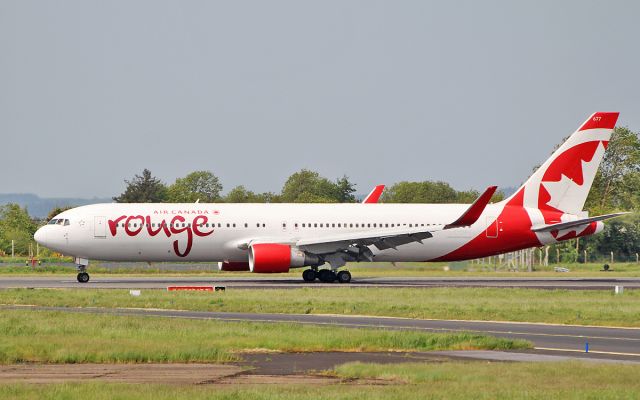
(390, 239)
(374, 195)
(387, 239)
(573, 224)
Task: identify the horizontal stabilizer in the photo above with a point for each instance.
(573, 224)
(474, 211)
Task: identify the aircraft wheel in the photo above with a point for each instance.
(83, 277)
(309, 275)
(326, 275)
(344, 276)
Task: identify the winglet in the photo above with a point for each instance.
(374, 195)
(474, 211)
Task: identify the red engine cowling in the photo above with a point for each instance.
(233, 266)
(273, 258)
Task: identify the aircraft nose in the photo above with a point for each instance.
(40, 236)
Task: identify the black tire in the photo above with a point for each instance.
(83, 277)
(344, 277)
(326, 275)
(309, 275)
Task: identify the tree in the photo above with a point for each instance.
(240, 194)
(198, 185)
(308, 186)
(615, 184)
(345, 190)
(143, 189)
(621, 235)
(16, 225)
(420, 192)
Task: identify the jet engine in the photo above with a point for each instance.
(267, 258)
(233, 266)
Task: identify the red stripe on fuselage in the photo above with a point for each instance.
(515, 233)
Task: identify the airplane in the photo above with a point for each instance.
(323, 238)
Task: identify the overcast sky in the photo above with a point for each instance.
(473, 93)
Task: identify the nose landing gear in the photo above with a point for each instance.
(83, 276)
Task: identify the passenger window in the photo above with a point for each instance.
(246, 225)
(339, 225)
(228, 225)
(350, 225)
(333, 225)
(234, 225)
(315, 225)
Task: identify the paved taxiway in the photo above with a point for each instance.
(604, 342)
(152, 282)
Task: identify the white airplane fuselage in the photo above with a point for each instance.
(214, 232)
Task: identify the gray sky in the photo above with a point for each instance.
(473, 93)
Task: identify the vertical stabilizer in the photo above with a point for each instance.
(563, 182)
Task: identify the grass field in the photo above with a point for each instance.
(52, 337)
(451, 380)
(586, 307)
(357, 269)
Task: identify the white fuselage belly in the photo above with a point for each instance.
(91, 233)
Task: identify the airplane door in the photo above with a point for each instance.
(99, 227)
(492, 227)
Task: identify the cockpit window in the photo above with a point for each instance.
(59, 221)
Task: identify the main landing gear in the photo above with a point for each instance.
(83, 276)
(326, 275)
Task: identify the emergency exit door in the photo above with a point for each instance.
(492, 227)
(99, 227)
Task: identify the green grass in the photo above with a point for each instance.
(450, 380)
(586, 307)
(58, 337)
(358, 269)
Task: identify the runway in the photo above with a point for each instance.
(160, 282)
(604, 342)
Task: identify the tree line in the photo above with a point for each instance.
(304, 186)
(616, 188)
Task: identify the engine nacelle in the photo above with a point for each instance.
(272, 258)
(233, 266)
